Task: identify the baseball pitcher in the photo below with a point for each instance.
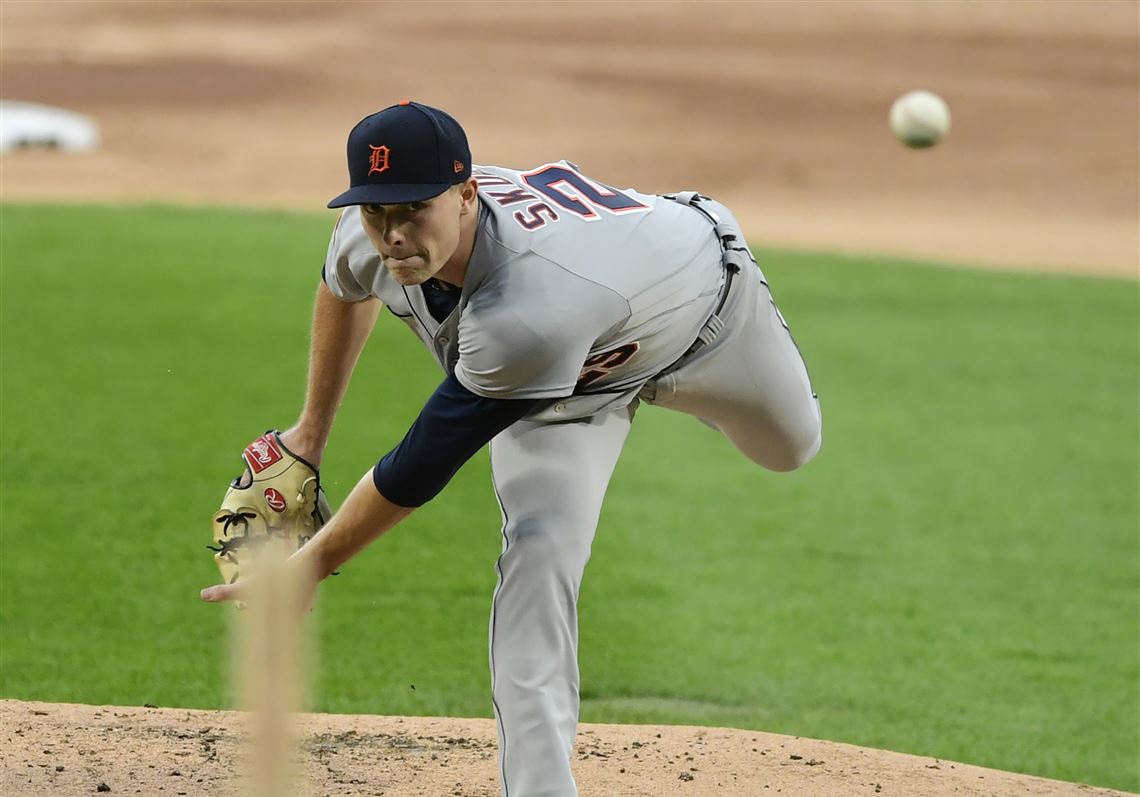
(555, 305)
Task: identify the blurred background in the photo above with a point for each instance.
(778, 109)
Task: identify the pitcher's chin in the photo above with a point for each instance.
(408, 272)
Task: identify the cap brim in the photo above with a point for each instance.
(396, 194)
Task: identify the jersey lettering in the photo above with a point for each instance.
(598, 365)
(511, 197)
(554, 188)
(491, 180)
(580, 195)
(531, 218)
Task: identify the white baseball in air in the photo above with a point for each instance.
(920, 119)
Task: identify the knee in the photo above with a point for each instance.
(793, 453)
(788, 447)
(549, 540)
(802, 440)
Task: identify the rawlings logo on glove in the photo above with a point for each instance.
(263, 452)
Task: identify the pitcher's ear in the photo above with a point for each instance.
(468, 190)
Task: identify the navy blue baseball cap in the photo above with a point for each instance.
(407, 152)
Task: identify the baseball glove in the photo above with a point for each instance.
(277, 503)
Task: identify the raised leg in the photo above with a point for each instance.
(751, 382)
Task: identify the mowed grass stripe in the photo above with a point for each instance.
(956, 575)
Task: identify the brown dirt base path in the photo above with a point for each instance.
(62, 749)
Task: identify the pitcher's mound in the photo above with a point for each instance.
(62, 749)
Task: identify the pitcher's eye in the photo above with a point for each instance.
(372, 210)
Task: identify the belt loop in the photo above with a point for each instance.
(711, 329)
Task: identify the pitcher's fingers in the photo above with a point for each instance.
(219, 593)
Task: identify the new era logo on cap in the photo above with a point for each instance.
(407, 152)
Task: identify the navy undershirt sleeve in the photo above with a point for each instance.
(453, 425)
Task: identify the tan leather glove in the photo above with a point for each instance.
(281, 505)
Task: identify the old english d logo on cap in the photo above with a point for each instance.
(378, 160)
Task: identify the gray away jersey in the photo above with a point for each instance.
(575, 292)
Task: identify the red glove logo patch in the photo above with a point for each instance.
(275, 500)
(262, 453)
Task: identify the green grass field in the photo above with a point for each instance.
(957, 574)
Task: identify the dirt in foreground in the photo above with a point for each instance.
(61, 750)
(779, 109)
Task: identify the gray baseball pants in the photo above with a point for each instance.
(749, 382)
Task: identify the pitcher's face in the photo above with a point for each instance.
(415, 239)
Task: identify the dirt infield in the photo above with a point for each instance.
(779, 109)
(51, 749)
